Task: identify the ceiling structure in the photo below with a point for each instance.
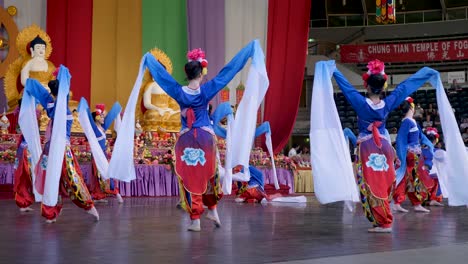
(339, 22)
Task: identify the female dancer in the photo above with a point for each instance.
(101, 121)
(57, 172)
(375, 155)
(412, 169)
(195, 148)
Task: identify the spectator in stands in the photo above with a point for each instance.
(393, 134)
(454, 87)
(464, 124)
(437, 121)
(418, 113)
(293, 151)
(430, 111)
(465, 136)
(428, 122)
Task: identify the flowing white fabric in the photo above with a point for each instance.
(331, 163)
(30, 130)
(441, 170)
(269, 145)
(122, 165)
(99, 157)
(456, 155)
(290, 199)
(244, 124)
(117, 123)
(58, 140)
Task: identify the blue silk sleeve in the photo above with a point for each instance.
(262, 129)
(428, 157)
(162, 77)
(35, 88)
(350, 136)
(351, 94)
(408, 87)
(111, 115)
(212, 87)
(221, 111)
(402, 147)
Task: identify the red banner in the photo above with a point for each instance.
(406, 52)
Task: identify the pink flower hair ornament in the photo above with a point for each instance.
(198, 55)
(374, 67)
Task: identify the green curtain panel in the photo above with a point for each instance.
(164, 26)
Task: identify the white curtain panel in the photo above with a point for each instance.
(246, 20)
(29, 12)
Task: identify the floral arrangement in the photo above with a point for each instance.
(9, 138)
(8, 155)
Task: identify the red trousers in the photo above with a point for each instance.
(193, 203)
(24, 196)
(100, 188)
(252, 195)
(417, 183)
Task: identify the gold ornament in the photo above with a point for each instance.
(14, 69)
(12, 10)
(147, 78)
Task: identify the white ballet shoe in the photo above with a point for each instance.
(51, 221)
(435, 203)
(213, 215)
(94, 213)
(419, 208)
(194, 226)
(378, 229)
(26, 209)
(239, 200)
(398, 208)
(119, 198)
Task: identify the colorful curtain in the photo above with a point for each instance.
(288, 27)
(69, 25)
(205, 27)
(164, 25)
(245, 20)
(385, 11)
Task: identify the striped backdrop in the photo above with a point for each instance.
(102, 41)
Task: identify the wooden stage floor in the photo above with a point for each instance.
(152, 230)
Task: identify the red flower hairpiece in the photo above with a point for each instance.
(432, 131)
(100, 108)
(409, 100)
(376, 67)
(196, 55)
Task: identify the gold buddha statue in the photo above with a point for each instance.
(35, 48)
(158, 112)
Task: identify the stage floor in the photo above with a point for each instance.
(152, 230)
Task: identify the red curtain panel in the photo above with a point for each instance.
(288, 27)
(69, 25)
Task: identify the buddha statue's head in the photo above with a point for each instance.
(37, 47)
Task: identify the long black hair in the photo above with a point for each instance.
(193, 69)
(405, 107)
(376, 83)
(54, 87)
